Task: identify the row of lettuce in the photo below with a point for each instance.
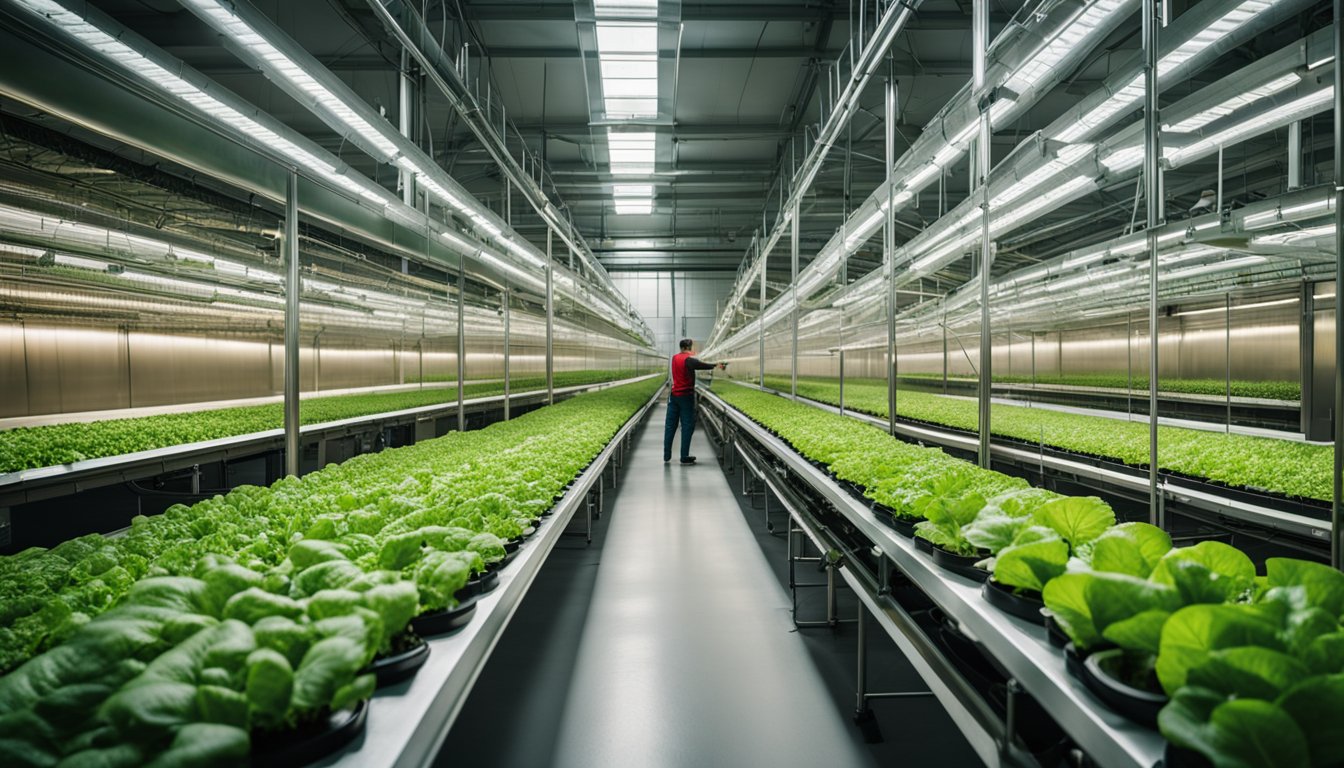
(1285, 467)
(56, 444)
(1253, 664)
(1287, 391)
(259, 612)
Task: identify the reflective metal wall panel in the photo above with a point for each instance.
(189, 369)
(75, 369)
(13, 371)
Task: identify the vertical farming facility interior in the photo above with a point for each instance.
(350, 414)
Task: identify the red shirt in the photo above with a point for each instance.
(683, 372)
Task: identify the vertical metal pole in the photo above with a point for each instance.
(760, 320)
(1227, 357)
(461, 343)
(1151, 150)
(844, 231)
(1219, 203)
(861, 679)
(550, 318)
(404, 123)
(844, 281)
(1337, 508)
(1295, 154)
(507, 347)
(672, 280)
(980, 30)
(293, 290)
(793, 286)
(889, 248)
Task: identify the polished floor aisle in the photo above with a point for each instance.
(688, 656)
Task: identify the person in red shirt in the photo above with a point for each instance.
(681, 403)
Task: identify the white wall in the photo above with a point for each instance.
(698, 297)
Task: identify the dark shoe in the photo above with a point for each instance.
(688, 460)
(666, 459)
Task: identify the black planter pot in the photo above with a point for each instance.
(1053, 632)
(962, 565)
(1025, 607)
(1180, 757)
(485, 582)
(500, 565)
(854, 489)
(445, 621)
(528, 533)
(1073, 661)
(902, 525)
(1137, 704)
(923, 545)
(308, 743)
(512, 545)
(390, 670)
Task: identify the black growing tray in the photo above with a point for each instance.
(962, 565)
(1135, 704)
(445, 621)
(1006, 599)
(903, 526)
(310, 742)
(390, 670)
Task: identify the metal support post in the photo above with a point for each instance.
(1337, 508)
(550, 319)
(980, 23)
(293, 290)
(1151, 150)
(1295, 154)
(196, 479)
(889, 251)
(861, 679)
(404, 97)
(461, 344)
(793, 283)
(1219, 202)
(760, 319)
(507, 299)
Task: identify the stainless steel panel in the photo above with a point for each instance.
(13, 371)
(75, 369)
(186, 369)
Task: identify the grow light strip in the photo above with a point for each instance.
(1129, 95)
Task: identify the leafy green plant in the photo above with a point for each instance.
(1286, 467)
(260, 609)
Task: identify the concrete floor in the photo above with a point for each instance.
(679, 649)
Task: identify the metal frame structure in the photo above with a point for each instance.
(408, 723)
(1036, 666)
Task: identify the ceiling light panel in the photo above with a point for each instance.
(1195, 122)
(627, 55)
(625, 9)
(631, 152)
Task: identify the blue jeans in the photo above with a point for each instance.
(679, 408)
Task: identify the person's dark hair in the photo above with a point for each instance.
(686, 343)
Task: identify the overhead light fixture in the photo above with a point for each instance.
(633, 198)
(1252, 126)
(1070, 35)
(1291, 213)
(627, 54)
(1197, 121)
(631, 152)
(1128, 96)
(1235, 307)
(625, 9)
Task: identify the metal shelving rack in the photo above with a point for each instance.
(1019, 647)
(408, 722)
(51, 482)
